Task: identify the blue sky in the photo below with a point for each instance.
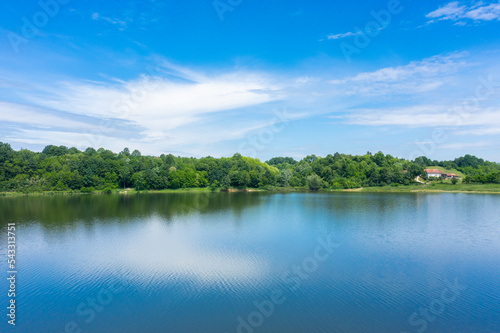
(263, 78)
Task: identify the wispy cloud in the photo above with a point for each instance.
(417, 76)
(454, 11)
(122, 25)
(467, 145)
(353, 33)
(426, 116)
(197, 112)
(158, 104)
(175, 106)
(16, 113)
(344, 35)
(480, 131)
(434, 92)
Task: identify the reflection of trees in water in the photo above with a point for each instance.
(54, 212)
(63, 211)
(362, 207)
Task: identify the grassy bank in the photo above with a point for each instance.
(131, 191)
(433, 187)
(447, 186)
(436, 187)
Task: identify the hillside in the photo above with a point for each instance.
(445, 170)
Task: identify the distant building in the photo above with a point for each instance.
(450, 176)
(433, 173)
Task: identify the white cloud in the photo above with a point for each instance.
(415, 77)
(121, 23)
(172, 108)
(38, 117)
(353, 33)
(455, 12)
(466, 145)
(426, 116)
(486, 13)
(344, 35)
(189, 112)
(480, 131)
(450, 11)
(159, 105)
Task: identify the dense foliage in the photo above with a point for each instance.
(61, 168)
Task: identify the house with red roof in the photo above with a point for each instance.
(433, 173)
(451, 175)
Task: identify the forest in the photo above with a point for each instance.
(59, 168)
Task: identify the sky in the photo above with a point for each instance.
(262, 78)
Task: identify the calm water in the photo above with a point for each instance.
(255, 262)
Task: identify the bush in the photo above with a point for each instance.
(214, 186)
(337, 186)
(87, 189)
(348, 184)
(108, 190)
(454, 181)
(314, 182)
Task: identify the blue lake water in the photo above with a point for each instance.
(254, 262)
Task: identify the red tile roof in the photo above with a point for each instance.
(433, 171)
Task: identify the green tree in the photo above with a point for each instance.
(284, 178)
(225, 183)
(314, 182)
(139, 181)
(125, 152)
(55, 151)
(6, 152)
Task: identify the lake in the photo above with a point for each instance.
(254, 262)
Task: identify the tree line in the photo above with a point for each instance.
(59, 168)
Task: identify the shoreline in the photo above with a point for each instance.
(469, 188)
(432, 191)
